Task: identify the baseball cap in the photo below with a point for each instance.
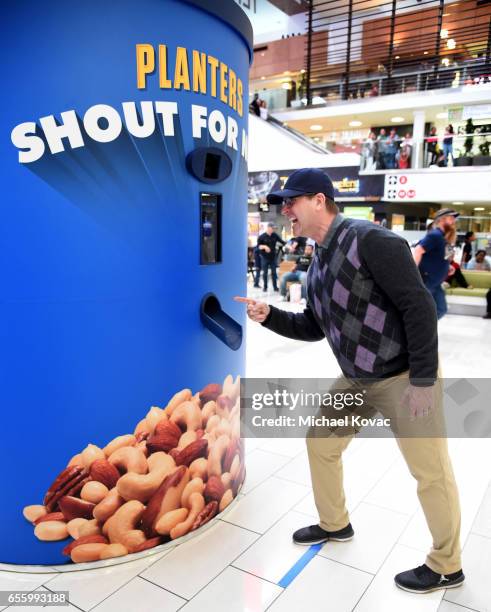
(300, 182)
(271, 225)
(444, 212)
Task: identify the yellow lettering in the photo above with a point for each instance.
(223, 82)
(199, 72)
(163, 80)
(213, 73)
(239, 97)
(232, 90)
(145, 64)
(181, 74)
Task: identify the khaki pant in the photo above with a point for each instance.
(426, 457)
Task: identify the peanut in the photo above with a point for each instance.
(51, 531)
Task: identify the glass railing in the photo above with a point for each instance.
(386, 153)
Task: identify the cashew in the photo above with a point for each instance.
(108, 506)
(209, 409)
(113, 550)
(142, 486)
(119, 442)
(188, 414)
(74, 525)
(32, 513)
(75, 460)
(154, 416)
(169, 520)
(196, 485)
(129, 459)
(89, 528)
(212, 423)
(94, 491)
(199, 468)
(187, 438)
(121, 526)
(235, 467)
(216, 455)
(196, 504)
(90, 454)
(227, 499)
(181, 396)
(231, 387)
(87, 552)
(224, 427)
(227, 480)
(51, 531)
(142, 427)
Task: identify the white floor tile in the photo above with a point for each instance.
(307, 506)
(376, 532)
(13, 581)
(396, 490)
(482, 522)
(290, 447)
(141, 596)
(297, 470)
(446, 606)
(234, 591)
(475, 593)
(383, 596)
(323, 585)
(267, 503)
(192, 565)
(275, 553)
(88, 588)
(261, 464)
(417, 535)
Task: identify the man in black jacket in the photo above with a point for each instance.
(366, 297)
(266, 243)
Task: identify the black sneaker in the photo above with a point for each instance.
(316, 535)
(422, 579)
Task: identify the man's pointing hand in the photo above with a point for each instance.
(256, 311)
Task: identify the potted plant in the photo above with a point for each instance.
(484, 159)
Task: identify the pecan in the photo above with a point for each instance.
(65, 483)
(205, 515)
(195, 450)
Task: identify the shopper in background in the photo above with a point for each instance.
(390, 341)
(369, 153)
(431, 257)
(432, 147)
(448, 144)
(455, 276)
(470, 237)
(299, 272)
(267, 246)
(255, 105)
(405, 150)
(381, 149)
(391, 149)
(263, 110)
(257, 266)
(479, 262)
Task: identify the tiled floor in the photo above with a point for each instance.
(236, 565)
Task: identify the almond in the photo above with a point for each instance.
(166, 498)
(214, 489)
(210, 393)
(104, 471)
(52, 516)
(73, 507)
(192, 451)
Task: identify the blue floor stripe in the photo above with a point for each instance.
(293, 572)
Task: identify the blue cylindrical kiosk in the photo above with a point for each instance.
(123, 238)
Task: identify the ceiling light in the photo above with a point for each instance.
(286, 85)
(262, 78)
(479, 208)
(286, 72)
(398, 56)
(316, 127)
(442, 115)
(451, 44)
(425, 52)
(458, 203)
(445, 61)
(355, 123)
(443, 33)
(302, 71)
(397, 119)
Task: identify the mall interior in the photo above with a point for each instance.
(392, 100)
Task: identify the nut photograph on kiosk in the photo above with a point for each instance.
(245, 349)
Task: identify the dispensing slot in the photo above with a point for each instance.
(210, 228)
(219, 322)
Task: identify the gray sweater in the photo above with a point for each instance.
(366, 296)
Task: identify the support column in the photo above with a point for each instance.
(418, 136)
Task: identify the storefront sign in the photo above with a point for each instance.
(446, 185)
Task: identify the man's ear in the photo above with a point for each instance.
(320, 201)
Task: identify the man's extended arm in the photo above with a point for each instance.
(302, 326)
(388, 257)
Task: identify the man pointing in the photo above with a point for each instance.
(366, 297)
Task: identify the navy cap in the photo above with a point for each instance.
(300, 182)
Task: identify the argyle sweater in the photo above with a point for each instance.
(366, 296)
